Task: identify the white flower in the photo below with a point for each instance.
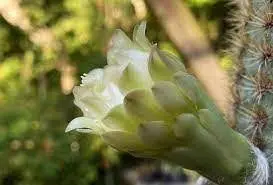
(99, 91)
(128, 92)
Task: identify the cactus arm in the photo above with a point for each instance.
(253, 53)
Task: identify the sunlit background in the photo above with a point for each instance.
(45, 45)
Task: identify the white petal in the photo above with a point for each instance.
(120, 40)
(82, 91)
(139, 36)
(112, 73)
(92, 108)
(99, 91)
(97, 100)
(139, 60)
(137, 57)
(119, 43)
(123, 50)
(92, 105)
(112, 95)
(93, 77)
(83, 124)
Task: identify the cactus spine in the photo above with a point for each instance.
(254, 77)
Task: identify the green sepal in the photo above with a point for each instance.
(156, 134)
(171, 99)
(191, 88)
(188, 85)
(123, 141)
(185, 127)
(118, 120)
(214, 125)
(132, 79)
(141, 103)
(163, 65)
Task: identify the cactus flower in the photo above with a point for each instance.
(145, 103)
(129, 98)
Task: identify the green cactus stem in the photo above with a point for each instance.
(254, 77)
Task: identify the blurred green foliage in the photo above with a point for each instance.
(35, 81)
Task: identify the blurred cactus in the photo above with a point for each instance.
(254, 82)
(145, 103)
